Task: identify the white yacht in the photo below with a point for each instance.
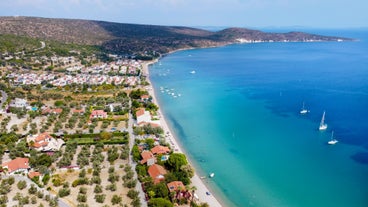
(304, 110)
(333, 140)
(323, 125)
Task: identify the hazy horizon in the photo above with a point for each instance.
(201, 13)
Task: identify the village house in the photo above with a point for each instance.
(52, 111)
(178, 188)
(159, 150)
(19, 103)
(44, 142)
(98, 114)
(157, 173)
(143, 116)
(145, 98)
(17, 165)
(175, 186)
(33, 174)
(147, 157)
(78, 111)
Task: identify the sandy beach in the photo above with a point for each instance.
(202, 189)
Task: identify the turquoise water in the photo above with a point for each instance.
(235, 111)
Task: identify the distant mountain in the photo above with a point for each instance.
(136, 38)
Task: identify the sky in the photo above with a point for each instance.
(217, 13)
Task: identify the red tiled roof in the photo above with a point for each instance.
(140, 112)
(157, 173)
(38, 145)
(16, 164)
(175, 185)
(33, 174)
(96, 113)
(160, 150)
(78, 110)
(42, 137)
(57, 110)
(145, 96)
(145, 156)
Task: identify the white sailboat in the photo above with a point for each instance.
(333, 140)
(323, 125)
(212, 175)
(304, 111)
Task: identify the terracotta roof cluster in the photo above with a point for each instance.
(16, 164)
(156, 172)
(41, 140)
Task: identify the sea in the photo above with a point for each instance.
(235, 111)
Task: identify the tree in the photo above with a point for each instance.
(105, 135)
(175, 161)
(21, 185)
(136, 154)
(100, 198)
(161, 190)
(116, 199)
(159, 202)
(32, 189)
(187, 170)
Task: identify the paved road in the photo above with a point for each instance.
(138, 187)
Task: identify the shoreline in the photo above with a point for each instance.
(202, 189)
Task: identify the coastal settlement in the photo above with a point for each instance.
(85, 131)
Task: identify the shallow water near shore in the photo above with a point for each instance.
(235, 111)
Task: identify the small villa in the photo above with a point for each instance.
(98, 114)
(78, 111)
(175, 186)
(145, 98)
(44, 142)
(18, 165)
(143, 116)
(157, 173)
(147, 157)
(19, 103)
(52, 111)
(34, 174)
(159, 150)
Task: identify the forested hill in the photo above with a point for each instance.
(136, 38)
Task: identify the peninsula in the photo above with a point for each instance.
(141, 40)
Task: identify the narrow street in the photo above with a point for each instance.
(138, 187)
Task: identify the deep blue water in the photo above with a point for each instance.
(238, 116)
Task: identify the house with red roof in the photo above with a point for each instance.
(157, 173)
(145, 98)
(44, 142)
(98, 114)
(143, 116)
(52, 111)
(34, 174)
(159, 150)
(147, 157)
(78, 111)
(17, 165)
(175, 186)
